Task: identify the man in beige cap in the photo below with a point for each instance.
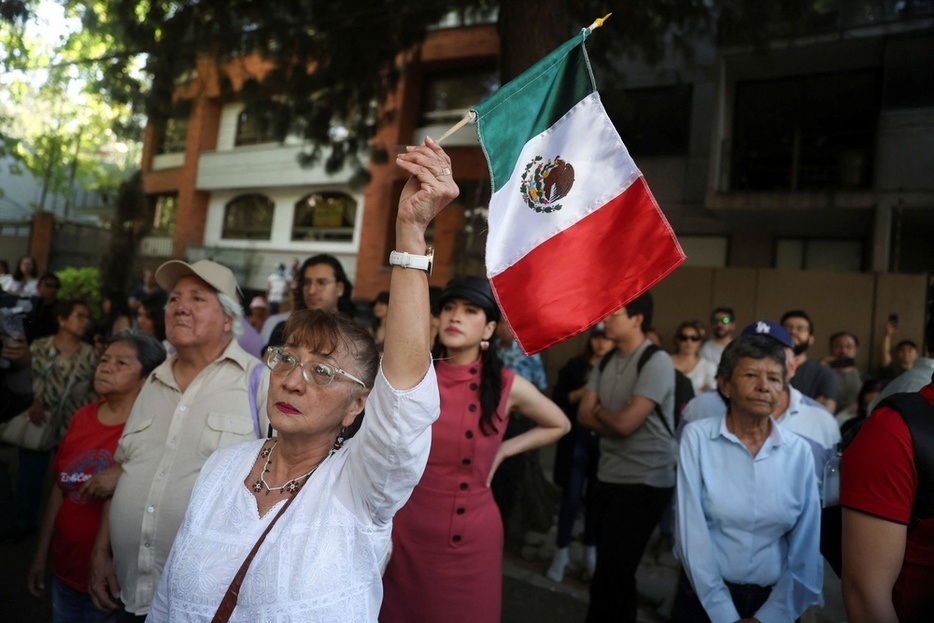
(202, 398)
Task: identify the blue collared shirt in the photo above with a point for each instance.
(804, 416)
(529, 367)
(748, 520)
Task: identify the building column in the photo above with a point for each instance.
(882, 238)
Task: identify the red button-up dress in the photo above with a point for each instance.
(447, 556)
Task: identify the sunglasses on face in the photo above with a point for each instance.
(723, 320)
(685, 338)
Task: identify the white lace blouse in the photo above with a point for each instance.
(321, 561)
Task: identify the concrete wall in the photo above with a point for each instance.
(855, 302)
(905, 155)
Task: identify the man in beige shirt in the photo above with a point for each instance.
(197, 401)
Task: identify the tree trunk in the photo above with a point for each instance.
(129, 226)
(528, 31)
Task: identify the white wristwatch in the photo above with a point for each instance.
(407, 260)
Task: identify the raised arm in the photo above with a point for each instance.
(428, 190)
(885, 347)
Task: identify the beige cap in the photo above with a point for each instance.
(218, 277)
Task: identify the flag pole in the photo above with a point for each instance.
(457, 126)
(597, 23)
(471, 116)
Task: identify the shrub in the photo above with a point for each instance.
(84, 284)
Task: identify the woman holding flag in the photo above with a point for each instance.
(447, 555)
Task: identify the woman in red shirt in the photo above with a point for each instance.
(72, 514)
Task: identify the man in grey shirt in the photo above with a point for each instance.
(633, 411)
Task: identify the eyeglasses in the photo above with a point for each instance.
(684, 338)
(721, 320)
(314, 372)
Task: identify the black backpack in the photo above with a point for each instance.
(918, 415)
(684, 390)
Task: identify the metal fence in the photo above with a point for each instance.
(77, 245)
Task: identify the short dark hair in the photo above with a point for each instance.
(644, 305)
(434, 298)
(149, 351)
(64, 308)
(344, 303)
(906, 343)
(797, 313)
(50, 276)
(722, 310)
(834, 337)
(754, 347)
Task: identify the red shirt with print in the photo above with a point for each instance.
(88, 447)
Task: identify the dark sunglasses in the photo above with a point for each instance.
(724, 320)
(684, 338)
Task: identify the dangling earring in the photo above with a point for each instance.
(339, 442)
(484, 345)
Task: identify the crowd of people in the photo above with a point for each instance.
(288, 462)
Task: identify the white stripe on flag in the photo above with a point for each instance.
(585, 138)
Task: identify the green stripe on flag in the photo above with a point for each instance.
(530, 104)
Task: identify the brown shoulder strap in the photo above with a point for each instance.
(233, 591)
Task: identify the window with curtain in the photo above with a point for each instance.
(326, 216)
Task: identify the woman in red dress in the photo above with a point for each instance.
(446, 563)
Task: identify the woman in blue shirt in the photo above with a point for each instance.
(748, 509)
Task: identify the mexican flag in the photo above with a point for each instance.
(575, 233)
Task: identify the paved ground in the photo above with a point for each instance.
(530, 597)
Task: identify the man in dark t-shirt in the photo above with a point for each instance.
(812, 378)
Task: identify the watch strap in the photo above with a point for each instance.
(408, 260)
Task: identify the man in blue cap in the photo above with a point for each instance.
(795, 412)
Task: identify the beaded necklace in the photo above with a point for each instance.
(292, 485)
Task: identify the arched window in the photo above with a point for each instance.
(248, 217)
(324, 216)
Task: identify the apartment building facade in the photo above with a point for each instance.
(811, 153)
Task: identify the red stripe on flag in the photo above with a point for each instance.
(588, 271)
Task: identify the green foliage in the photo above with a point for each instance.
(81, 283)
(332, 61)
(55, 119)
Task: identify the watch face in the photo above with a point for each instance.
(430, 254)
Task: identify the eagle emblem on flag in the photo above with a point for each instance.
(545, 182)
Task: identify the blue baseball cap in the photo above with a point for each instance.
(772, 330)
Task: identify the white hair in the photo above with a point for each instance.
(232, 310)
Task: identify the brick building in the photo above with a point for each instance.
(221, 188)
(810, 153)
